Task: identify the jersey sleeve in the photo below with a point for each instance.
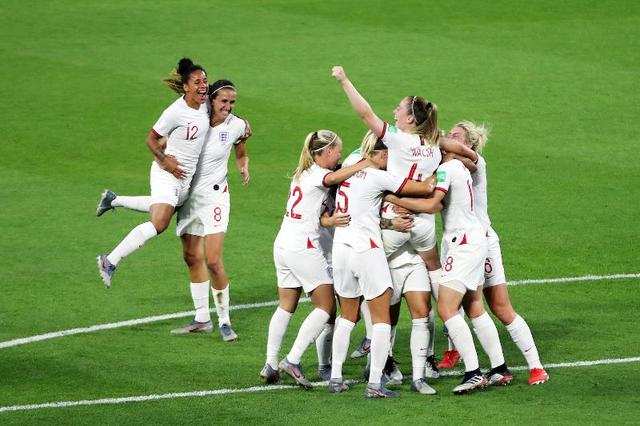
(390, 136)
(240, 127)
(317, 176)
(443, 178)
(167, 122)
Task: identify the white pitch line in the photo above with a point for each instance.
(255, 389)
(156, 318)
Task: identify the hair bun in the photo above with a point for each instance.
(184, 66)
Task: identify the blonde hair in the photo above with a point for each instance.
(314, 144)
(174, 82)
(370, 144)
(476, 134)
(425, 115)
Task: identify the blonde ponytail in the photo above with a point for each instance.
(314, 144)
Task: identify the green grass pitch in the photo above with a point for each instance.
(81, 82)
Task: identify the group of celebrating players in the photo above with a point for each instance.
(363, 233)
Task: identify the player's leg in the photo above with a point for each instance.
(193, 254)
(341, 336)
(380, 343)
(135, 239)
(287, 304)
(323, 348)
(322, 298)
(487, 334)
(418, 304)
(497, 297)
(365, 344)
(109, 200)
(449, 299)
(214, 244)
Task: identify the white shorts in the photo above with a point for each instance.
(422, 236)
(463, 257)
(166, 188)
(493, 268)
(409, 278)
(307, 269)
(365, 273)
(205, 214)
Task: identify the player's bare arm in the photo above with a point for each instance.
(358, 102)
(422, 205)
(242, 161)
(166, 162)
(345, 173)
(461, 150)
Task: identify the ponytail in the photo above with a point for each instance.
(180, 75)
(370, 144)
(314, 144)
(425, 115)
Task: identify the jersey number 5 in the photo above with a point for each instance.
(344, 206)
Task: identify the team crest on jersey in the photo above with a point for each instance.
(224, 136)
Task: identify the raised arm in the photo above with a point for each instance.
(166, 162)
(344, 173)
(359, 104)
(422, 205)
(242, 161)
(455, 147)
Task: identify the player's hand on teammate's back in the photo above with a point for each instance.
(340, 219)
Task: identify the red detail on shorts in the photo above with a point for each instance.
(324, 180)
(310, 244)
(404, 182)
(345, 183)
(156, 134)
(441, 189)
(373, 244)
(384, 129)
(226, 188)
(464, 239)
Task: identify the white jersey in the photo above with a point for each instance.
(186, 129)
(360, 196)
(455, 181)
(301, 222)
(408, 156)
(212, 166)
(480, 192)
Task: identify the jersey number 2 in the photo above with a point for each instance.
(295, 191)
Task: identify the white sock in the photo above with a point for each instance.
(311, 327)
(461, 335)
(521, 336)
(431, 327)
(277, 327)
(132, 242)
(450, 344)
(434, 278)
(323, 345)
(221, 300)
(140, 204)
(419, 346)
(200, 296)
(340, 346)
(380, 342)
(366, 316)
(392, 339)
(485, 330)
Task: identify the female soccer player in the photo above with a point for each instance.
(204, 217)
(359, 263)
(495, 282)
(298, 257)
(185, 123)
(464, 249)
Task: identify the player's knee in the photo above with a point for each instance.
(160, 224)
(191, 258)
(503, 311)
(215, 265)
